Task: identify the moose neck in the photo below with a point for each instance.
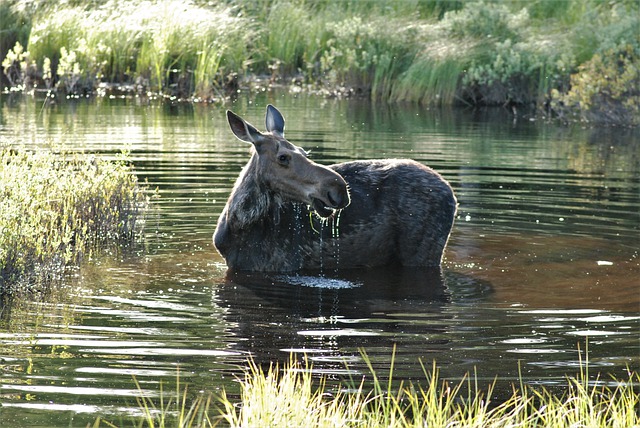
(251, 200)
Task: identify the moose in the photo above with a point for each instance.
(287, 213)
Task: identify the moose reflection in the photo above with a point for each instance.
(287, 213)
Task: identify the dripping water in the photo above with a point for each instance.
(335, 234)
(297, 233)
(322, 224)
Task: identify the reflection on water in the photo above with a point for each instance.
(544, 254)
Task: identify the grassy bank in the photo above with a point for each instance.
(291, 396)
(56, 209)
(549, 53)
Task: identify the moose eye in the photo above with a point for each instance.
(283, 160)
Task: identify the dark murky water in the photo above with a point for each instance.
(544, 254)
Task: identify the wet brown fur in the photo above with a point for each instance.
(371, 213)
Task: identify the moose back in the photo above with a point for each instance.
(287, 213)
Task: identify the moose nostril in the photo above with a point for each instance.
(338, 199)
(332, 201)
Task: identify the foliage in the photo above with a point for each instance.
(485, 20)
(483, 52)
(292, 396)
(14, 28)
(606, 89)
(512, 73)
(366, 53)
(56, 209)
(163, 46)
(15, 65)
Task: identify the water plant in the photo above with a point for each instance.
(431, 52)
(292, 395)
(56, 209)
(14, 29)
(605, 88)
(156, 45)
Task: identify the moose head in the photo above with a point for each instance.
(285, 168)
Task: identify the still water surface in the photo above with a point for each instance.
(544, 254)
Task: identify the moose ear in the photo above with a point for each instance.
(275, 121)
(242, 129)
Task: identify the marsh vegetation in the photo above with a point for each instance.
(57, 209)
(574, 59)
(544, 253)
(290, 395)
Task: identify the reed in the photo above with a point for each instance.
(286, 37)
(56, 209)
(431, 52)
(429, 81)
(173, 409)
(168, 47)
(291, 395)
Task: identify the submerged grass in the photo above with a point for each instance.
(292, 396)
(56, 209)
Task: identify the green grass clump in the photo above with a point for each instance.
(171, 47)
(291, 396)
(56, 209)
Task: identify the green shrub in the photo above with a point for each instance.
(432, 52)
(14, 28)
(367, 53)
(15, 65)
(605, 90)
(517, 73)
(486, 20)
(603, 27)
(57, 209)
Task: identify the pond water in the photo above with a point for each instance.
(544, 256)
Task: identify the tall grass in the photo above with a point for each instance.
(57, 209)
(170, 47)
(291, 395)
(174, 410)
(14, 27)
(430, 52)
(429, 81)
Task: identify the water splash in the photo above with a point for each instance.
(318, 282)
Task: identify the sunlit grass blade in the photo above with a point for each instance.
(291, 395)
(275, 397)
